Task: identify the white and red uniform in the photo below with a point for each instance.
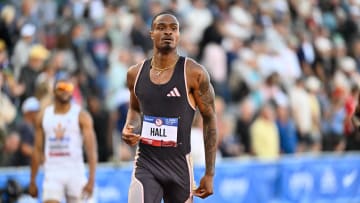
(64, 168)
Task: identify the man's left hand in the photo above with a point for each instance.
(88, 190)
(205, 188)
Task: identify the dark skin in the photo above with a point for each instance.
(62, 106)
(165, 35)
(356, 117)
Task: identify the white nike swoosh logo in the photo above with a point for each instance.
(349, 179)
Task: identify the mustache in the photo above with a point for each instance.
(167, 38)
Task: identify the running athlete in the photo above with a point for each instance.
(61, 130)
(165, 91)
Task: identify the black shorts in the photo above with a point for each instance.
(154, 179)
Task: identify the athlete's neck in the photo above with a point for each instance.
(163, 60)
(61, 108)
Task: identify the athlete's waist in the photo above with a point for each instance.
(67, 166)
(160, 152)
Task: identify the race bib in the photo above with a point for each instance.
(159, 131)
(59, 147)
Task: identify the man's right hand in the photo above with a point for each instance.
(129, 136)
(33, 190)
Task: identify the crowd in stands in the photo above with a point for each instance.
(286, 73)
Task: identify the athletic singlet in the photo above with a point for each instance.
(63, 139)
(166, 113)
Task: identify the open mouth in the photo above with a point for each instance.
(167, 39)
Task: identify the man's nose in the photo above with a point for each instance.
(168, 31)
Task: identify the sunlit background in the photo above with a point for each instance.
(285, 73)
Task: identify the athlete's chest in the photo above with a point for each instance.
(64, 124)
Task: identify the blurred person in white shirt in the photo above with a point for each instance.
(301, 112)
(22, 48)
(197, 18)
(313, 86)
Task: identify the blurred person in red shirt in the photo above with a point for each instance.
(352, 136)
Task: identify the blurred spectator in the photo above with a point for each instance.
(102, 128)
(287, 128)
(306, 53)
(139, 34)
(265, 142)
(228, 145)
(333, 123)
(348, 25)
(214, 58)
(99, 49)
(9, 85)
(301, 112)
(119, 22)
(213, 33)
(7, 108)
(46, 79)
(324, 66)
(245, 77)
(78, 50)
(355, 52)
(4, 60)
(25, 129)
(271, 89)
(96, 9)
(243, 123)
(346, 74)
(29, 13)
(9, 149)
(196, 19)
(83, 88)
(242, 18)
(48, 11)
(313, 87)
(22, 48)
(117, 91)
(352, 137)
(29, 73)
(64, 24)
(8, 28)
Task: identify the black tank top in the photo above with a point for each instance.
(166, 100)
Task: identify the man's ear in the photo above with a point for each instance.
(151, 34)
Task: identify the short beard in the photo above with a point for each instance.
(165, 49)
(63, 101)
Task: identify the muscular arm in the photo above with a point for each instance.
(356, 116)
(204, 96)
(86, 124)
(130, 133)
(133, 117)
(38, 148)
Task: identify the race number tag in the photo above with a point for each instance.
(159, 131)
(59, 147)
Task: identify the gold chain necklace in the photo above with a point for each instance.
(161, 70)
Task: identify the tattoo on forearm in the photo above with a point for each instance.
(205, 102)
(206, 95)
(210, 141)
